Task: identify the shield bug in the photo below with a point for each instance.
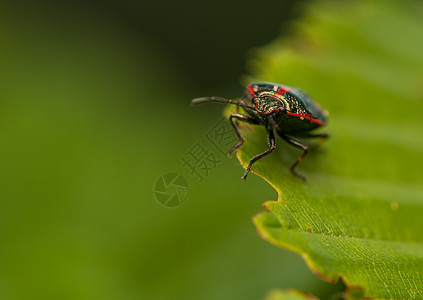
(288, 111)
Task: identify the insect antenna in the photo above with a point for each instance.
(218, 99)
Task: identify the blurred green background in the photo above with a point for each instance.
(94, 108)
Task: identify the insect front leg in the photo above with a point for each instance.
(237, 107)
(242, 118)
(298, 145)
(272, 144)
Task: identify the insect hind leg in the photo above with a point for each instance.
(297, 144)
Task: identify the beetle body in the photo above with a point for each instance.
(291, 108)
(286, 110)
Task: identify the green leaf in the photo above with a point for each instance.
(288, 295)
(359, 217)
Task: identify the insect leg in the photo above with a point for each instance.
(298, 145)
(272, 144)
(237, 107)
(238, 133)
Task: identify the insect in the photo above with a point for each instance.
(288, 111)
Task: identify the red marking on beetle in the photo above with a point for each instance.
(282, 90)
(309, 230)
(306, 116)
(251, 90)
